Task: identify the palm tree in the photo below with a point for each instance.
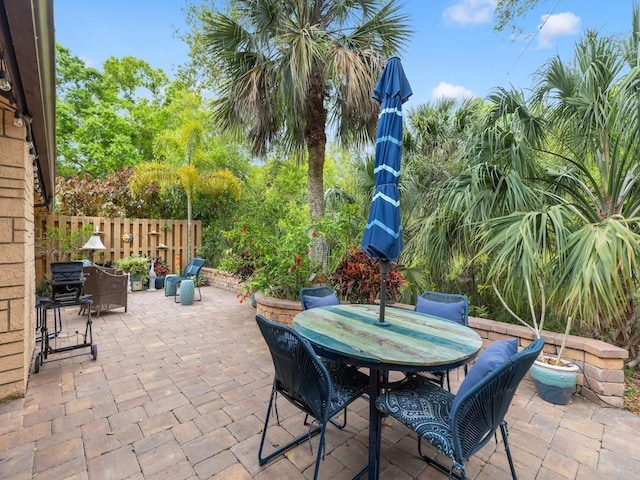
(182, 162)
(436, 140)
(291, 68)
(552, 191)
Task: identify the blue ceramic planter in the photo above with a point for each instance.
(555, 384)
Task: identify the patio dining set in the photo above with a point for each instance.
(319, 364)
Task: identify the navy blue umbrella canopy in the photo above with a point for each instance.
(382, 237)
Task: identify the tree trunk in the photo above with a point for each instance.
(189, 229)
(316, 139)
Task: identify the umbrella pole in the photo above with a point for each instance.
(384, 269)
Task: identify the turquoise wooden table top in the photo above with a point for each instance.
(411, 339)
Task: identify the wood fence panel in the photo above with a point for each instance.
(166, 239)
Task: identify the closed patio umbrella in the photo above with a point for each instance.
(382, 237)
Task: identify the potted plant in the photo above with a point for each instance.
(138, 269)
(555, 378)
(161, 270)
(523, 258)
(43, 288)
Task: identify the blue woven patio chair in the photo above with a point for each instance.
(191, 271)
(450, 306)
(305, 381)
(318, 296)
(458, 426)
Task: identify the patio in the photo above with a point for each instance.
(180, 392)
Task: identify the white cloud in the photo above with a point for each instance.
(554, 26)
(88, 61)
(470, 12)
(447, 90)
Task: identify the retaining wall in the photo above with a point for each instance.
(601, 364)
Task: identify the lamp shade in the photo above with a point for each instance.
(94, 243)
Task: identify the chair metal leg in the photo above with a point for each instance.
(296, 441)
(320, 455)
(505, 438)
(338, 425)
(441, 466)
(177, 292)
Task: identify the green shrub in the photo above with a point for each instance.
(135, 265)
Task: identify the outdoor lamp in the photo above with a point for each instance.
(17, 119)
(94, 243)
(5, 84)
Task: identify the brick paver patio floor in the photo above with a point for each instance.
(180, 392)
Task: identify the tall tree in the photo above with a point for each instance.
(106, 120)
(436, 141)
(290, 68)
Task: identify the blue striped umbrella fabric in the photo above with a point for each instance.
(382, 237)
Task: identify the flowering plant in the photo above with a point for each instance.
(357, 278)
(270, 259)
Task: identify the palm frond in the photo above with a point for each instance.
(149, 173)
(601, 264)
(220, 182)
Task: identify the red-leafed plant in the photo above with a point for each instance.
(356, 279)
(159, 267)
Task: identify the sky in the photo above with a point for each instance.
(454, 51)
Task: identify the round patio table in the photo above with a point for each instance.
(408, 341)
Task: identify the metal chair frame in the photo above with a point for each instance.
(317, 291)
(192, 270)
(479, 413)
(306, 382)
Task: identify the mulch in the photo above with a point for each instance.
(632, 393)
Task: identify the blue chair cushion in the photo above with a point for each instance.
(423, 407)
(492, 357)
(346, 383)
(312, 302)
(448, 311)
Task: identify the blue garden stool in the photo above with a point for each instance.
(170, 284)
(190, 272)
(187, 288)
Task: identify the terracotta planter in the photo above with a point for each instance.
(277, 309)
(555, 383)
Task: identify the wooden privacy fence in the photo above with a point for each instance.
(122, 237)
